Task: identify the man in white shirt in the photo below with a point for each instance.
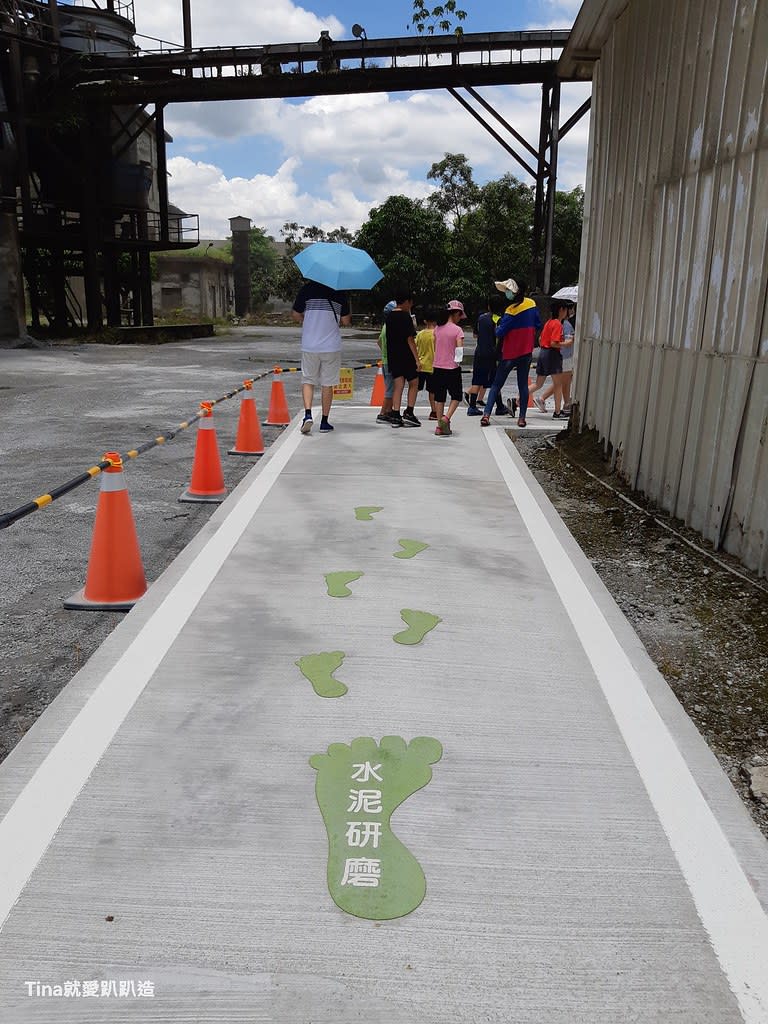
(322, 312)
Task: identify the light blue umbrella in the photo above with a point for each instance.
(338, 265)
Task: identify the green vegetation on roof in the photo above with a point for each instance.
(200, 251)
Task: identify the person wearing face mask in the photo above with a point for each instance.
(516, 332)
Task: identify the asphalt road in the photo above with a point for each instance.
(62, 408)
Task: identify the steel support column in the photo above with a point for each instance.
(162, 170)
(551, 185)
(91, 217)
(544, 174)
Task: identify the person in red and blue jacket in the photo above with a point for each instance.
(516, 335)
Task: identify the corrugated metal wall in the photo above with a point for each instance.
(672, 354)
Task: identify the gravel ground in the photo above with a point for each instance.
(705, 626)
(64, 405)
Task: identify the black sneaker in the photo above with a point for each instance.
(395, 419)
(409, 420)
(384, 417)
(501, 410)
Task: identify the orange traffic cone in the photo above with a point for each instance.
(249, 440)
(207, 483)
(115, 579)
(377, 394)
(278, 415)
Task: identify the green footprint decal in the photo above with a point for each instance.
(319, 669)
(419, 624)
(365, 512)
(410, 548)
(371, 874)
(337, 583)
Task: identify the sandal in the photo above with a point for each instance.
(521, 423)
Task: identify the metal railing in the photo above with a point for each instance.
(26, 19)
(142, 226)
(123, 8)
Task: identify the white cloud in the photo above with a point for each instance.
(232, 22)
(376, 145)
(271, 200)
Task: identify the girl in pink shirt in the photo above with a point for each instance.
(446, 366)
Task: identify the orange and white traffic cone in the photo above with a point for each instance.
(377, 394)
(278, 415)
(115, 579)
(207, 484)
(249, 440)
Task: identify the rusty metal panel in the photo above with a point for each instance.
(672, 338)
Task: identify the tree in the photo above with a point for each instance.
(263, 261)
(408, 239)
(426, 20)
(566, 237)
(457, 194)
(500, 228)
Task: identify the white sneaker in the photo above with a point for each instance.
(540, 404)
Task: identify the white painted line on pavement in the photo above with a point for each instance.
(728, 907)
(33, 819)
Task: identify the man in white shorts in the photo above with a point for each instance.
(322, 312)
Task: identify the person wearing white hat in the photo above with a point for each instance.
(516, 332)
(509, 287)
(446, 364)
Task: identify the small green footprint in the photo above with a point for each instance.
(410, 548)
(371, 874)
(337, 583)
(419, 624)
(365, 512)
(319, 669)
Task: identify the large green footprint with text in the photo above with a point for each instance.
(371, 874)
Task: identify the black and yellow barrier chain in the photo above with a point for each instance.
(9, 518)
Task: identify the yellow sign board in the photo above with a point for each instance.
(344, 390)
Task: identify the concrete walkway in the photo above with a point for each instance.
(162, 853)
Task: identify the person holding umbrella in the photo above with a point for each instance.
(322, 308)
(321, 311)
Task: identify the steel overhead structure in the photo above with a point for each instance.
(324, 68)
(397, 64)
(74, 112)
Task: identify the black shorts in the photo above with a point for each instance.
(402, 364)
(425, 382)
(550, 362)
(446, 382)
(483, 373)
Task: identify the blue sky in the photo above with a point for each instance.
(328, 160)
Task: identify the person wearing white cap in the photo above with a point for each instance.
(446, 365)
(516, 331)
